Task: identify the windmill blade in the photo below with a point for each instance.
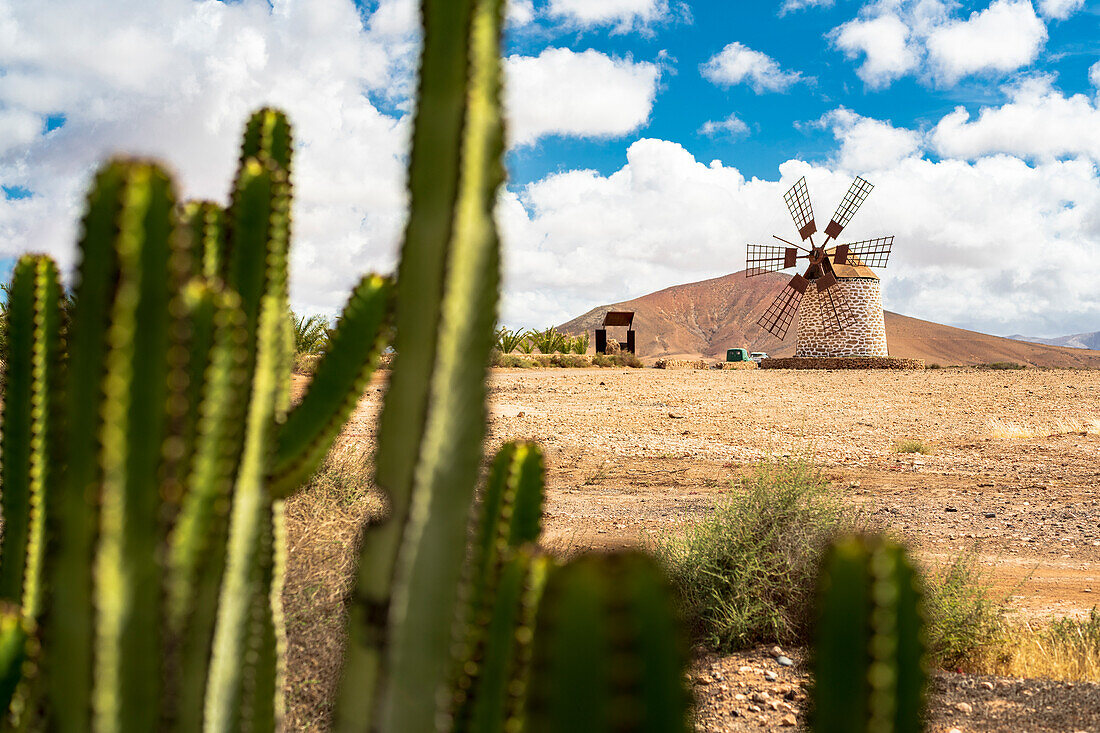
(849, 205)
(798, 203)
(840, 255)
(761, 258)
(777, 319)
(836, 313)
(869, 252)
(826, 281)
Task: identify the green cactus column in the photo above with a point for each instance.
(869, 655)
(31, 383)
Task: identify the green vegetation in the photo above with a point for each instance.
(746, 573)
(144, 495)
(579, 344)
(1001, 365)
(622, 359)
(509, 341)
(965, 619)
(911, 445)
(162, 461)
(310, 335)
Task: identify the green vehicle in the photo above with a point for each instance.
(737, 354)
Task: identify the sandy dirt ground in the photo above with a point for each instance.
(634, 454)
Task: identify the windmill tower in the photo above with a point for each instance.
(838, 300)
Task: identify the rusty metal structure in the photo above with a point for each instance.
(826, 263)
(616, 319)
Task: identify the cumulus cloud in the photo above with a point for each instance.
(1005, 36)
(1059, 9)
(737, 63)
(962, 229)
(884, 42)
(176, 80)
(585, 94)
(1094, 74)
(732, 126)
(922, 37)
(1038, 122)
(868, 144)
(622, 15)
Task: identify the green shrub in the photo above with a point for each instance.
(507, 341)
(310, 334)
(511, 361)
(548, 341)
(617, 360)
(526, 344)
(910, 445)
(965, 619)
(1002, 365)
(579, 344)
(746, 574)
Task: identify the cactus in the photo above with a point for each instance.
(608, 652)
(502, 573)
(32, 377)
(143, 493)
(159, 501)
(869, 655)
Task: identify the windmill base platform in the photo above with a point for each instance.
(842, 362)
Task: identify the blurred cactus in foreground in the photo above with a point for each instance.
(869, 657)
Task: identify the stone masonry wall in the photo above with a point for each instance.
(865, 337)
(843, 362)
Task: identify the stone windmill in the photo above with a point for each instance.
(837, 299)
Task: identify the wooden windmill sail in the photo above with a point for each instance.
(838, 277)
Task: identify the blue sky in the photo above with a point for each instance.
(650, 139)
(779, 124)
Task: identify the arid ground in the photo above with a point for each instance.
(634, 454)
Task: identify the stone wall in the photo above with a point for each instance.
(846, 362)
(865, 337)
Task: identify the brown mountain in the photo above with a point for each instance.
(705, 318)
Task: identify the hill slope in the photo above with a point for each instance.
(705, 318)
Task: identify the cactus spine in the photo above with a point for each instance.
(869, 656)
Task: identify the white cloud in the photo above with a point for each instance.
(623, 15)
(176, 80)
(1005, 36)
(585, 94)
(884, 41)
(868, 145)
(1059, 9)
(578, 239)
(737, 63)
(1038, 122)
(1094, 74)
(793, 5)
(520, 12)
(732, 125)
(922, 37)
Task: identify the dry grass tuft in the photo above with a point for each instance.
(910, 445)
(1065, 649)
(1007, 430)
(324, 522)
